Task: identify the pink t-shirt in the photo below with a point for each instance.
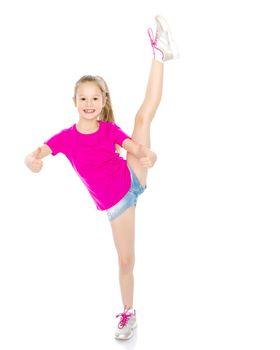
(93, 156)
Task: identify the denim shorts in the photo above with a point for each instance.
(129, 199)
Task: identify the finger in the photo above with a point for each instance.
(144, 160)
(37, 162)
(37, 165)
(145, 165)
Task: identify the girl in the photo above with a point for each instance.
(113, 182)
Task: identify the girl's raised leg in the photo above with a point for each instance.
(144, 117)
(164, 48)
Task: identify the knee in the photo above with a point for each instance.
(142, 120)
(126, 264)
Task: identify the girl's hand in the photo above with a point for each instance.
(33, 161)
(146, 157)
(149, 158)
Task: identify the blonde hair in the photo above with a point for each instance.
(107, 114)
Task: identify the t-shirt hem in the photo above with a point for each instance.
(125, 193)
(125, 138)
(53, 153)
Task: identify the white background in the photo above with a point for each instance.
(207, 240)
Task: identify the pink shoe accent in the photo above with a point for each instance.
(125, 316)
(154, 42)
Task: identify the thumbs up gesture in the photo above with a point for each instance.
(33, 161)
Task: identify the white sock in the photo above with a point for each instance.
(131, 310)
(158, 55)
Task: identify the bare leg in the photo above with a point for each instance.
(123, 227)
(123, 234)
(144, 117)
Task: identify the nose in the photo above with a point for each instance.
(89, 104)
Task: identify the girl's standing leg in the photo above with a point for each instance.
(123, 234)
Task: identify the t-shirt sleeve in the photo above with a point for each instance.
(119, 135)
(56, 143)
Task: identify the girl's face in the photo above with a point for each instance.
(89, 100)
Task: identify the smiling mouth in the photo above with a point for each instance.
(89, 110)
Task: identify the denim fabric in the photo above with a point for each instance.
(129, 199)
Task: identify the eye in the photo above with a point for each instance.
(82, 99)
(95, 98)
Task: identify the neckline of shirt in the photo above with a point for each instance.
(91, 133)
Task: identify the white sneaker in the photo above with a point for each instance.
(126, 325)
(164, 41)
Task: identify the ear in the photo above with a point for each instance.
(74, 100)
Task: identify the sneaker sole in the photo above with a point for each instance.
(163, 25)
(130, 336)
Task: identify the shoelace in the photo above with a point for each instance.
(125, 316)
(153, 40)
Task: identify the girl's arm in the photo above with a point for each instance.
(33, 160)
(146, 157)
